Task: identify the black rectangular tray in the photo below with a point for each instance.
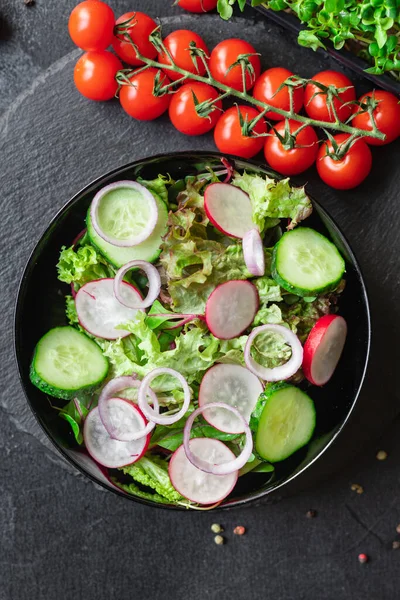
(345, 58)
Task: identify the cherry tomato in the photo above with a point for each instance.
(226, 54)
(139, 28)
(228, 135)
(348, 172)
(178, 43)
(386, 115)
(182, 111)
(295, 160)
(91, 25)
(138, 99)
(316, 106)
(94, 75)
(198, 6)
(266, 86)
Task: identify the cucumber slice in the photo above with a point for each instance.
(66, 361)
(284, 421)
(306, 263)
(148, 250)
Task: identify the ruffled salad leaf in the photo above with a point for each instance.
(151, 473)
(273, 200)
(82, 265)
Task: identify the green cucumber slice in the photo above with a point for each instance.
(148, 250)
(67, 361)
(284, 421)
(306, 263)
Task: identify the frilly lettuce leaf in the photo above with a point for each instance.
(152, 472)
(268, 290)
(82, 265)
(273, 200)
(270, 350)
(158, 186)
(268, 314)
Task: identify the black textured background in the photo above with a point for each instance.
(63, 538)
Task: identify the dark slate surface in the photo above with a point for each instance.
(62, 537)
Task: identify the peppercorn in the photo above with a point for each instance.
(311, 514)
(29, 2)
(363, 558)
(381, 455)
(216, 528)
(239, 530)
(396, 545)
(219, 540)
(398, 528)
(355, 487)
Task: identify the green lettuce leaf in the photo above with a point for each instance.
(273, 200)
(270, 350)
(82, 265)
(174, 438)
(268, 314)
(158, 186)
(75, 412)
(268, 290)
(152, 472)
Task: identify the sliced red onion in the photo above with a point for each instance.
(154, 284)
(78, 238)
(117, 431)
(224, 468)
(253, 252)
(147, 229)
(276, 373)
(150, 413)
(229, 169)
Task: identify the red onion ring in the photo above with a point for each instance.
(109, 391)
(154, 283)
(144, 389)
(224, 468)
(229, 169)
(277, 373)
(253, 252)
(151, 223)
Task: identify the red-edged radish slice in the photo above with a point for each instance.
(231, 308)
(127, 209)
(209, 465)
(119, 422)
(196, 485)
(154, 284)
(99, 312)
(143, 401)
(88, 464)
(276, 373)
(229, 209)
(323, 348)
(233, 385)
(107, 451)
(253, 252)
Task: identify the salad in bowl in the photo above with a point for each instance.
(203, 319)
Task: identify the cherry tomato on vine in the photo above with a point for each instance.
(225, 54)
(138, 99)
(198, 6)
(295, 160)
(228, 135)
(138, 26)
(265, 90)
(94, 75)
(386, 116)
(349, 171)
(91, 25)
(182, 110)
(315, 100)
(178, 43)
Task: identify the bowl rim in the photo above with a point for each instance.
(23, 282)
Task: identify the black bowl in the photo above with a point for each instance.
(40, 306)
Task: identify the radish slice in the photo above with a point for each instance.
(277, 373)
(117, 426)
(88, 464)
(229, 209)
(107, 451)
(253, 252)
(127, 209)
(99, 312)
(210, 465)
(144, 389)
(231, 308)
(154, 284)
(196, 485)
(323, 348)
(233, 385)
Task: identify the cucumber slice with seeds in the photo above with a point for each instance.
(306, 263)
(148, 250)
(283, 421)
(67, 361)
